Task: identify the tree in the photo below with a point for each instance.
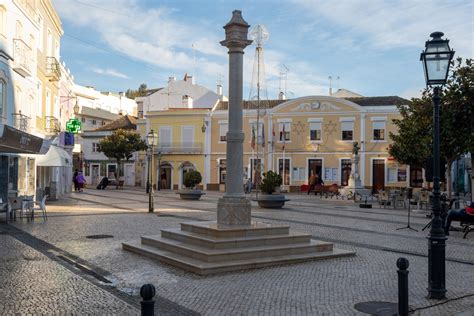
(413, 143)
(141, 92)
(121, 145)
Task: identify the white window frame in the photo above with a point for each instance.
(168, 144)
(343, 129)
(3, 21)
(290, 170)
(40, 43)
(94, 147)
(379, 120)
(287, 131)
(223, 129)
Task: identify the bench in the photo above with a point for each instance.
(467, 228)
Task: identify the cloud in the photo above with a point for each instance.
(386, 25)
(109, 72)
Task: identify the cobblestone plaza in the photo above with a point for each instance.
(52, 268)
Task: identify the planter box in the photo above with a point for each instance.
(190, 194)
(271, 200)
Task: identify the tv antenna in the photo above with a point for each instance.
(283, 76)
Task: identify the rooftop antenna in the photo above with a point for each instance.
(337, 83)
(194, 60)
(259, 35)
(284, 73)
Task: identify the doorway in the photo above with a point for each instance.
(378, 175)
(284, 170)
(316, 166)
(165, 176)
(346, 167)
(95, 174)
(416, 177)
(129, 174)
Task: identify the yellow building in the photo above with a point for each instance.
(318, 135)
(182, 139)
(49, 70)
(294, 138)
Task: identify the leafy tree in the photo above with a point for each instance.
(121, 145)
(141, 92)
(413, 142)
(192, 178)
(270, 182)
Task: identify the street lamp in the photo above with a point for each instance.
(76, 108)
(436, 60)
(151, 140)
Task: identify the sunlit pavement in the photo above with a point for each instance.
(329, 287)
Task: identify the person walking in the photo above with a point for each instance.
(81, 180)
(319, 184)
(74, 180)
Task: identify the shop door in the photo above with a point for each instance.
(165, 177)
(378, 175)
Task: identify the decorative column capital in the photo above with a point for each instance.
(236, 31)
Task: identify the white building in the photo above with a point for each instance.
(179, 94)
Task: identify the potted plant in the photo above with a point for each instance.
(270, 183)
(191, 180)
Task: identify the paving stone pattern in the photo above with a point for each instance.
(329, 287)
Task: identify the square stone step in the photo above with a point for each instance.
(206, 268)
(255, 229)
(212, 242)
(215, 255)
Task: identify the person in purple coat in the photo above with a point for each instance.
(80, 180)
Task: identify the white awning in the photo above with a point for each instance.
(55, 157)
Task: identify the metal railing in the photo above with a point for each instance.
(21, 121)
(180, 148)
(53, 69)
(22, 56)
(52, 125)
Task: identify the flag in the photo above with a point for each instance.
(284, 137)
(252, 142)
(263, 135)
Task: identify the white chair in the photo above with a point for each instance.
(40, 206)
(400, 199)
(383, 198)
(424, 198)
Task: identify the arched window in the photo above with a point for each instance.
(18, 30)
(3, 20)
(2, 97)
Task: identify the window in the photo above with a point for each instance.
(49, 44)
(315, 131)
(95, 147)
(187, 136)
(94, 122)
(18, 30)
(284, 170)
(2, 97)
(347, 129)
(222, 171)
(83, 119)
(378, 130)
(41, 30)
(223, 128)
(286, 126)
(48, 102)
(3, 21)
(165, 136)
(103, 123)
(40, 99)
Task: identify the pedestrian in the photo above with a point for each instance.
(74, 180)
(248, 186)
(81, 181)
(311, 181)
(318, 184)
(464, 214)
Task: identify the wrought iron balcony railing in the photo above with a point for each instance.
(22, 57)
(21, 121)
(52, 125)
(53, 69)
(180, 148)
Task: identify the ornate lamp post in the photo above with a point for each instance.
(436, 60)
(159, 170)
(152, 141)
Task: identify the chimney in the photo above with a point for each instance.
(171, 79)
(281, 96)
(219, 90)
(190, 79)
(187, 102)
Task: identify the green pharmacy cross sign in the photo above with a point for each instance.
(73, 126)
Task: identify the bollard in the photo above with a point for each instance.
(402, 264)
(147, 292)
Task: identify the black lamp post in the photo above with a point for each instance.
(152, 140)
(159, 171)
(436, 60)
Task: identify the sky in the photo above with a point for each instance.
(372, 46)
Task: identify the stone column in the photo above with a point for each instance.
(234, 209)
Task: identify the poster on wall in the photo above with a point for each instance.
(402, 175)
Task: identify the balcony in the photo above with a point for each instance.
(52, 125)
(180, 148)
(53, 70)
(22, 57)
(21, 121)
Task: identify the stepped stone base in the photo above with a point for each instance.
(206, 248)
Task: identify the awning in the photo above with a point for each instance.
(14, 141)
(55, 157)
